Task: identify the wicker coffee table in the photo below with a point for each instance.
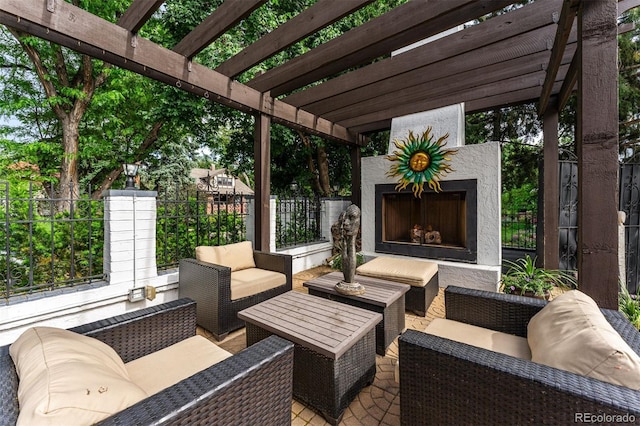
(382, 296)
(334, 355)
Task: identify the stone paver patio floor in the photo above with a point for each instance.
(378, 404)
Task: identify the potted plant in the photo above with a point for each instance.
(524, 278)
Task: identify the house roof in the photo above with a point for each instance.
(202, 175)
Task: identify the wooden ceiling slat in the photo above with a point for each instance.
(456, 81)
(565, 24)
(307, 22)
(411, 106)
(625, 5)
(495, 30)
(523, 46)
(406, 24)
(228, 14)
(103, 40)
(138, 13)
(373, 127)
(517, 97)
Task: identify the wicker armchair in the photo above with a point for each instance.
(251, 387)
(210, 286)
(446, 382)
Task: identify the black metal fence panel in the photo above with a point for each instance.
(630, 204)
(297, 221)
(568, 219)
(48, 241)
(518, 227)
(190, 218)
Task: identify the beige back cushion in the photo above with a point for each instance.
(571, 334)
(68, 379)
(237, 256)
(416, 273)
(176, 362)
(479, 337)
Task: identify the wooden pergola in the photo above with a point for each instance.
(541, 52)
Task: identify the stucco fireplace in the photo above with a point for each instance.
(466, 213)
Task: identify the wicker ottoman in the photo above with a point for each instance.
(421, 275)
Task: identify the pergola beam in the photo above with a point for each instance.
(406, 24)
(138, 14)
(565, 23)
(91, 35)
(478, 38)
(307, 22)
(228, 14)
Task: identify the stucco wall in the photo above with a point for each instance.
(481, 162)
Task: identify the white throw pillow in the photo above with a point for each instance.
(571, 334)
(66, 378)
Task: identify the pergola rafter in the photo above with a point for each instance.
(224, 17)
(307, 22)
(406, 24)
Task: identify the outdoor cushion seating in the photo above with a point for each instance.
(224, 280)
(583, 361)
(142, 367)
(421, 275)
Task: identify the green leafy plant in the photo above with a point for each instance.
(525, 277)
(629, 306)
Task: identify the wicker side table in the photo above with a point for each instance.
(382, 296)
(334, 355)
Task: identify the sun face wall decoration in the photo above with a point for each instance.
(420, 161)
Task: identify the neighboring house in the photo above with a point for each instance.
(223, 189)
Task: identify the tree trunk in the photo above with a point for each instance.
(57, 69)
(68, 190)
(323, 171)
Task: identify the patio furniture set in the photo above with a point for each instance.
(495, 358)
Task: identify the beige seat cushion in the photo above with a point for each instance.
(68, 379)
(237, 256)
(248, 282)
(166, 367)
(479, 337)
(416, 273)
(571, 334)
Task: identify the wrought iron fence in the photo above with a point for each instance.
(48, 241)
(297, 221)
(190, 218)
(518, 228)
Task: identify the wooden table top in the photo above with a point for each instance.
(324, 326)
(378, 292)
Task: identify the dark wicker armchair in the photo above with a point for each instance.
(446, 382)
(210, 286)
(251, 387)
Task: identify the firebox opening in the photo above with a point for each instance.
(435, 218)
(439, 225)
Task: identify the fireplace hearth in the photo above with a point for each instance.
(438, 225)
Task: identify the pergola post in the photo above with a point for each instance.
(551, 191)
(597, 148)
(262, 158)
